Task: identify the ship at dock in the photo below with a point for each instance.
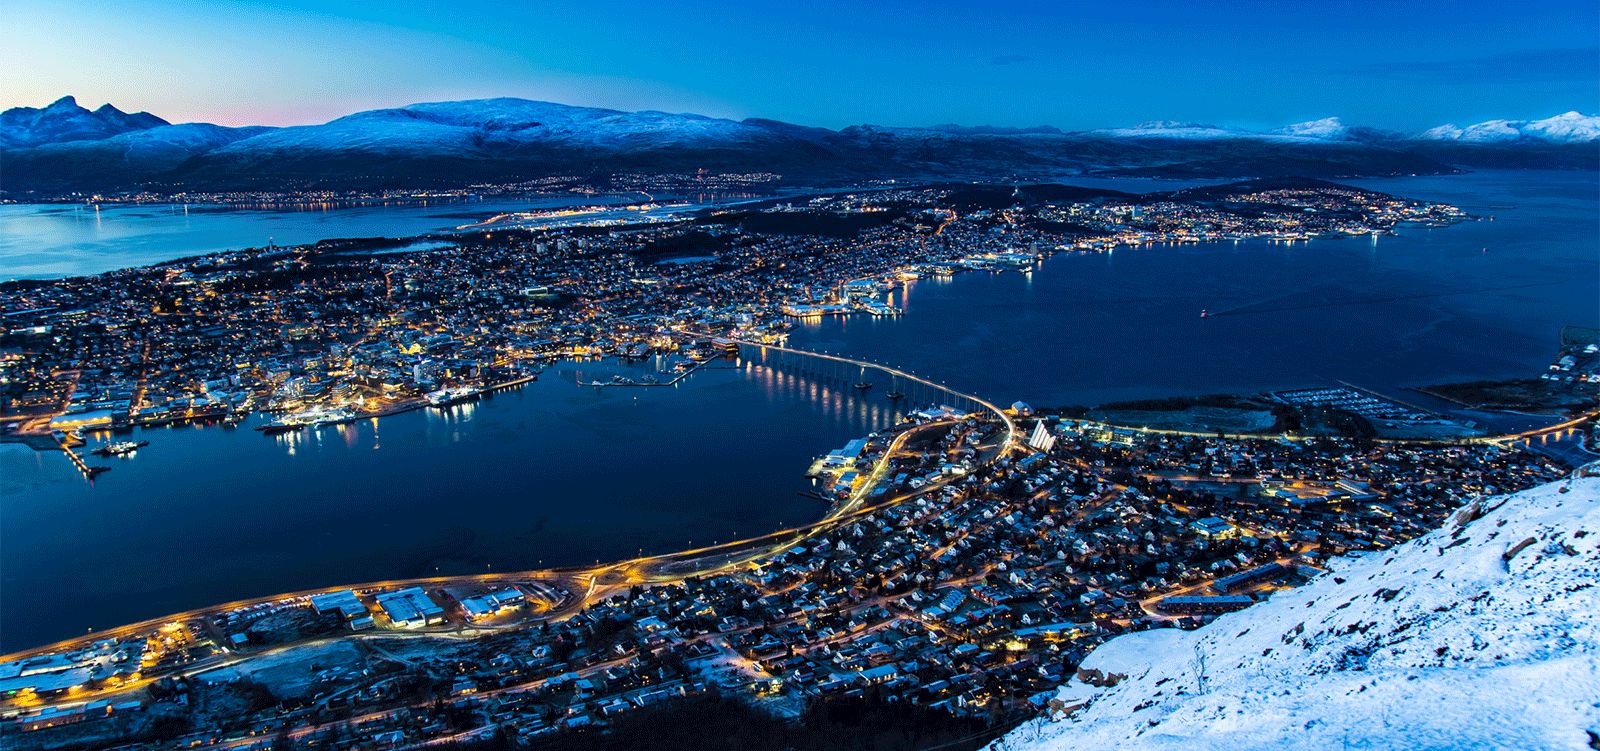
(338, 416)
(120, 448)
(314, 418)
(449, 396)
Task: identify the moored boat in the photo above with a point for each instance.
(120, 448)
(448, 396)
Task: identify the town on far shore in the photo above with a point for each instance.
(341, 330)
(972, 553)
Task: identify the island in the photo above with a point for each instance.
(971, 556)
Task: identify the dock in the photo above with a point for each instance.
(77, 461)
(681, 376)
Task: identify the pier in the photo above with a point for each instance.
(673, 382)
(77, 461)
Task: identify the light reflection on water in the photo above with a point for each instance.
(558, 471)
(563, 472)
(1426, 306)
(55, 240)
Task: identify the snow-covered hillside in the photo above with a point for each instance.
(64, 147)
(1173, 129)
(1328, 127)
(1570, 127)
(1482, 634)
(171, 142)
(488, 127)
(1326, 130)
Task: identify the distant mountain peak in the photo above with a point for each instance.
(1174, 129)
(63, 120)
(1333, 129)
(1172, 125)
(1325, 125)
(68, 148)
(1567, 127)
(994, 130)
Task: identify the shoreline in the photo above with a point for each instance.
(417, 404)
(685, 563)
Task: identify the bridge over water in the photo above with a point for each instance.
(582, 584)
(846, 372)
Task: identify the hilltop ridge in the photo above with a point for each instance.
(1481, 634)
(67, 148)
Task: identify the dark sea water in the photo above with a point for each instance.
(552, 473)
(56, 240)
(560, 473)
(1478, 300)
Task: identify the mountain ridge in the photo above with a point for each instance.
(64, 147)
(64, 120)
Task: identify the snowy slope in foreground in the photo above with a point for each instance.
(1483, 634)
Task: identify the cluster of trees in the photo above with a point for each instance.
(692, 243)
(323, 275)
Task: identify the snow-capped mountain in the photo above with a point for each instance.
(1333, 129)
(1172, 129)
(499, 139)
(68, 145)
(1326, 128)
(483, 128)
(64, 120)
(64, 147)
(1570, 127)
(1482, 634)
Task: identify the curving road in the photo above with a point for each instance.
(584, 585)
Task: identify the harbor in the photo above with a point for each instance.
(398, 472)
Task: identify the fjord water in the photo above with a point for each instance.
(561, 473)
(56, 240)
(1478, 300)
(556, 472)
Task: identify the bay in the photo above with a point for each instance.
(556, 472)
(1478, 300)
(39, 241)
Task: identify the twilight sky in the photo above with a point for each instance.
(1075, 64)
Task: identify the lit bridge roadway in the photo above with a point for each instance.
(583, 585)
(1011, 426)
